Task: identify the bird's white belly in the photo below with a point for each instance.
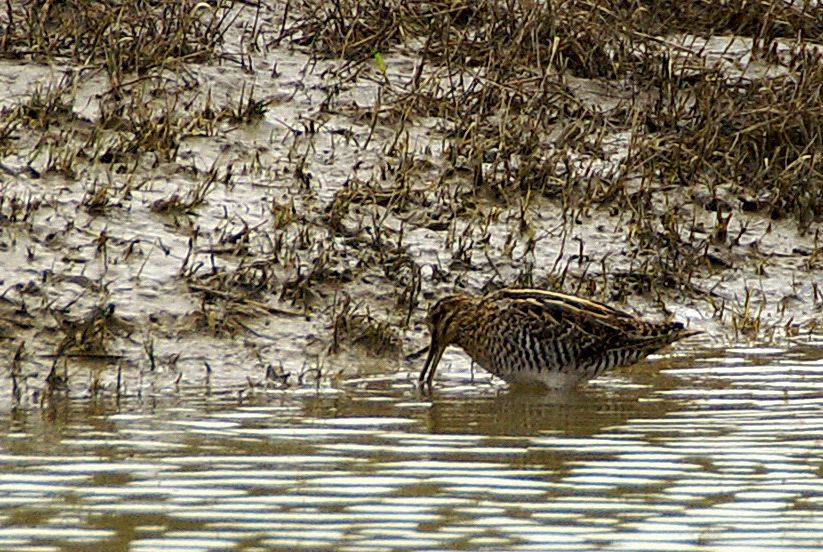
(515, 373)
(512, 369)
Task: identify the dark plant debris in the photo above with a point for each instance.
(335, 166)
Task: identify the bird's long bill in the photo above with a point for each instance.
(435, 352)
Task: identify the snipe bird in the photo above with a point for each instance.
(533, 336)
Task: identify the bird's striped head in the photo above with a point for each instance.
(445, 321)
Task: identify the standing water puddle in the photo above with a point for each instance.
(706, 454)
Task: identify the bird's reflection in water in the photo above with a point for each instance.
(528, 411)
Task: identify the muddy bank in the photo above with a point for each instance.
(268, 196)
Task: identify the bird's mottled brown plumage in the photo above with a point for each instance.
(535, 336)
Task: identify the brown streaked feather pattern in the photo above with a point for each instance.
(535, 336)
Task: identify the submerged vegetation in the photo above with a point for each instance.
(287, 181)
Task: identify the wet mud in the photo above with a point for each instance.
(271, 195)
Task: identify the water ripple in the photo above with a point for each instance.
(715, 456)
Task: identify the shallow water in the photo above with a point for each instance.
(700, 452)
